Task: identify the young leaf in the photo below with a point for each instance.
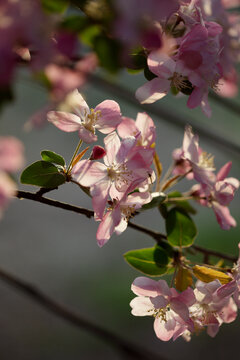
(181, 230)
(51, 156)
(207, 274)
(43, 174)
(150, 261)
(183, 279)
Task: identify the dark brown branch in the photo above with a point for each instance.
(214, 253)
(89, 213)
(133, 351)
(36, 197)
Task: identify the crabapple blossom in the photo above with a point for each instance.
(143, 124)
(166, 305)
(218, 194)
(120, 211)
(213, 306)
(105, 117)
(122, 166)
(191, 158)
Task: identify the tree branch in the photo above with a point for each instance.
(89, 213)
(207, 252)
(133, 351)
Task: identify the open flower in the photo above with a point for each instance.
(214, 306)
(122, 166)
(120, 211)
(218, 194)
(166, 305)
(105, 117)
(191, 158)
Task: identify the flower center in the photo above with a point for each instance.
(91, 119)
(206, 160)
(181, 82)
(120, 174)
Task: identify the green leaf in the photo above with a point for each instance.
(184, 204)
(55, 6)
(43, 174)
(150, 261)
(51, 156)
(156, 201)
(181, 230)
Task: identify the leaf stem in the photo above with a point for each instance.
(74, 155)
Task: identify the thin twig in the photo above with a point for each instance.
(135, 351)
(89, 213)
(214, 253)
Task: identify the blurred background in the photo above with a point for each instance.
(56, 250)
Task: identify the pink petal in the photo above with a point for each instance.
(87, 136)
(110, 116)
(64, 121)
(146, 125)
(165, 329)
(159, 302)
(224, 218)
(153, 90)
(142, 306)
(107, 226)
(190, 145)
(196, 97)
(144, 286)
(81, 107)
(112, 145)
(161, 64)
(88, 172)
(99, 193)
(223, 172)
(127, 127)
(229, 312)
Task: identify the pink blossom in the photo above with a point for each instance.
(194, 159)
(163, 67)
(213, 306)
(119, 212)
(143, 124)
(166, 305)
(122, 166)
(105, 117)
(218, 194)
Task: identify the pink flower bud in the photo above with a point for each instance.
(98, 152)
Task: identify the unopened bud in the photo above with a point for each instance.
(97, 153)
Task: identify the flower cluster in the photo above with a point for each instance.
(11, 160)
(176, 314)
(215, 191)
(126, 163)
(196, 55)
